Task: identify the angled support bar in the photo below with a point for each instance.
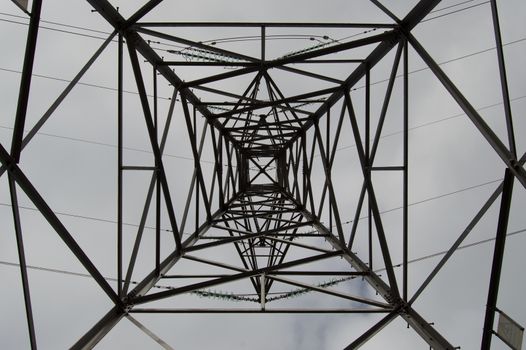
(507, 156)
(149, 333)
(503, 78)
(106, 324)
(371, 332)
(498, 256)
(54, 221)
(153, 140)
(29, 136)
(422, 327)
(25, 84)
(22, 260)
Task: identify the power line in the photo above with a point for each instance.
(338, 149)
(56, 23)
(429, 199)
(437, 121)
(112, 145)
(168, 98)
(451, 6)
(85, 217)
(425, 200)
(167, 287)
(79, 83)
(444, 62)
(469, 245)
(453, 12)
(229, 39)
(56, 29)
(296, 292)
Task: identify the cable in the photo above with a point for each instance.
(80, 34)
(167, 98)
(267, 37)
(232, 39)
(444, 62)
(469, 245)
(57, 30)
(79, 83)
(293, 293)
(57, 23)
(429, 199)
(338, 149)
(343, 223)
(301, 291)
(453, 12)
(354, 89)
(437, 121)
(425, 20)
(113, 146)
(451, 6)
(427, 68)
(357, 88)
(91, 218)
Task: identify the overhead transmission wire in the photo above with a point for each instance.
(226, 39)
(436, 121)
(338, 149)
(375, 29)
(167, 98)
(451, 6)
(455, 11)
(92, 218)
(189, 158)
(425, 200)
(280, 295)
(111, 145)
(213, 42)
(230, 39)
(429, 199)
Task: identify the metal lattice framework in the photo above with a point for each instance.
(260, 198)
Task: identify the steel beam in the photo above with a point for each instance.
(119, 161)
(38, 125)
(503, 78)
(149, 333)
(153, 140)
(372, 199)
(423, 328)
(508, 157)
(405, 185)
(257, 311)
(231, 278)
(54, 221)
(265, 24)
(148, 199)
(371, 332)
(106, 323)
(498, 256)
(25, 83)
(458, 242)
(143, 11)
(22, 260)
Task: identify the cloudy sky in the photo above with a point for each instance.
(72, 162)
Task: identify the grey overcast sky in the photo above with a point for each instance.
(72, 163)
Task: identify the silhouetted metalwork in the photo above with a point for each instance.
(261, 194)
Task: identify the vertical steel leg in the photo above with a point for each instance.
(498, 256)
(25, 84)
(22, 260)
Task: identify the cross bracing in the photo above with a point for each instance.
(267, 212)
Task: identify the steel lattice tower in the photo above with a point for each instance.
(260, 200)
